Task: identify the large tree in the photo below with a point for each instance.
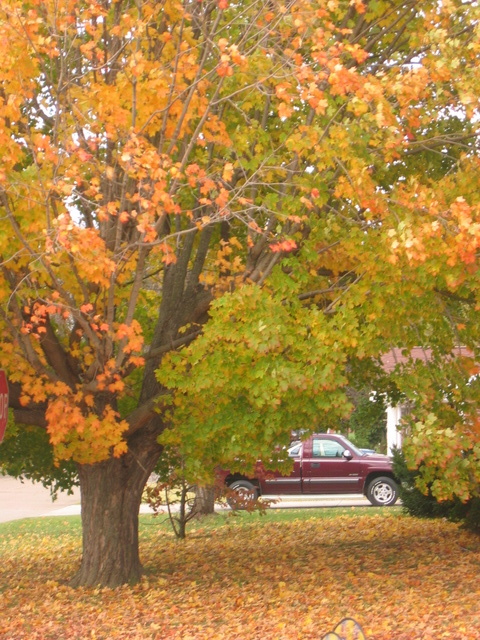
(304, 173)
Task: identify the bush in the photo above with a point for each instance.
(420, 505)
(471, 520)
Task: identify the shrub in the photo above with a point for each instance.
(423, 505)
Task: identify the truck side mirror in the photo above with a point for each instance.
(347, 454)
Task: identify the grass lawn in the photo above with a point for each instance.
(291, 574)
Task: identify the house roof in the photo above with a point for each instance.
(401, 356)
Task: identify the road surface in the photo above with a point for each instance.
(28, 500)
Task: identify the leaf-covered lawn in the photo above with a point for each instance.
(401, 578)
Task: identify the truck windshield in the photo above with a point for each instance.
(294, 451)
(351, 446)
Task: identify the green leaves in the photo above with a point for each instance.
(261, 370)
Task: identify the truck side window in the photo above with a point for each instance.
(327, 449)
(317, 449)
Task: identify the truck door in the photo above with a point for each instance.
(327, 471)
(276, 484)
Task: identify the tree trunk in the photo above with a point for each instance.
(111, 494)
(204, 501)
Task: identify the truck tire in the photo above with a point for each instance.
(382, 492)
(245, 494)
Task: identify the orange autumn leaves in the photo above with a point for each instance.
(197, 139)
(95, 437)
(400, 578)
(448, 229)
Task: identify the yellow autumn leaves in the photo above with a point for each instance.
(400, 578)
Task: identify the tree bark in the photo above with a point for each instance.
(111, 494)
(204, 501)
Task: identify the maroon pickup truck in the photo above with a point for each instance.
(325, 464)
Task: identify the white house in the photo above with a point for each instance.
(394, 432)
(391, 360)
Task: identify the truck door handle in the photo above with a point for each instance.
(315, 465)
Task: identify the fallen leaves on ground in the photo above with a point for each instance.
(400, 578)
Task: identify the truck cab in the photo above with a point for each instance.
(327, 464)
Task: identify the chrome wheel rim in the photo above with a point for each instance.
(383, 492)
(246, 495)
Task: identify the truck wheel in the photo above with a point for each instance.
(244, 494)
(382, 492)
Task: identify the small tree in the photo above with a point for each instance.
(172, 491)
